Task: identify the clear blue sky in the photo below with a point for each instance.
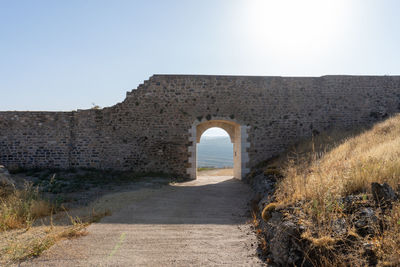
(66, 55)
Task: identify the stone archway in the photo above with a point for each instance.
(238, 136)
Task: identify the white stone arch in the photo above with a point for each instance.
(238, 135)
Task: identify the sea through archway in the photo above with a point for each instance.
(215, 153)
(238, 136)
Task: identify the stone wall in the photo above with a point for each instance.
(150, 129)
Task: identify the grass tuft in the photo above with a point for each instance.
(20, 208)
(266, 213)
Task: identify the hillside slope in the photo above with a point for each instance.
(332, 201)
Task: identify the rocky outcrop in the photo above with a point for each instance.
(287, 234)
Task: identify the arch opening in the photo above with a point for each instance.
(238, 136)
(215, 151)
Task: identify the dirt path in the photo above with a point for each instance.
(202, 222)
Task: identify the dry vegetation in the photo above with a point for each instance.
(20, 208)
(56, 205)
(319, 175)
(333, 169)
(33, 242)
(27, 226)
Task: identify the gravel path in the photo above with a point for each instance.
(201, 222)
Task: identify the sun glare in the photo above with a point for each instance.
(295, 26)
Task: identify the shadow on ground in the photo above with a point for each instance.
(207, 200)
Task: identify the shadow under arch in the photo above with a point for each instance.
(238, 135)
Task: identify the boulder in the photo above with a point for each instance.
(284, 244)
(383, 194)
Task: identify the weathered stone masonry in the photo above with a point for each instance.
(153, 128)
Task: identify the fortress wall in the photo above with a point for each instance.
(35, 139)
(86, 139)
(149, 130)
(278, 110)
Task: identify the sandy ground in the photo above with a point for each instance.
(217, 172)
(201, 222)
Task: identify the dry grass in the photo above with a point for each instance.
(19, 245)
(22, 235)
(20, 208)
(350, 167)
(40, 240)
(29, 224)
(388, 244)
(330, 167)
(322, 241)
(266, 213)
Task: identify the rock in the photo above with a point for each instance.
(6, 182)
(365, 222)
(383, 193)
(262, 184)
(284, 243)
(339, 226)
(370, 254)
(264, 201)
